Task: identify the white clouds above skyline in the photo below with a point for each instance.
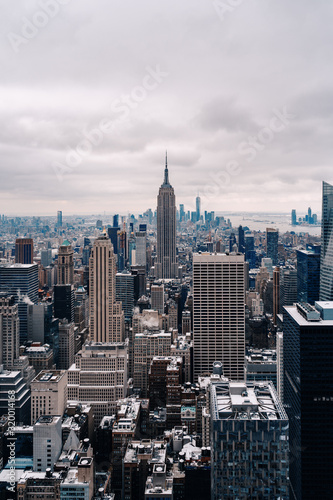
(220, 82)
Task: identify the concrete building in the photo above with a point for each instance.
(65, 264)
(66, 344)
(140, 252)
(99, 377)
(47, 442)
(48, 394)
(219, 313)
(272, 241)
(39, 356)
(146, 346)
(157, 298)
(9, 331)
(159, 485)
(261, 365)
(249, 441)
(106, 315)
(139, 461)
(13, 381)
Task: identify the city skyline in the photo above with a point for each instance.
(200, 93)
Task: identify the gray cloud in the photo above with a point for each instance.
(224, 80)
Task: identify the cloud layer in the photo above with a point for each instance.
(197, 79)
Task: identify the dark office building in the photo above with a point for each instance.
(326, 263)
(308, 398)
(272, 241)
(24, 251)
(241, 240)
(113, 235)
(308, 274)
(64, 302)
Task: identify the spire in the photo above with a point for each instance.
(166, 172)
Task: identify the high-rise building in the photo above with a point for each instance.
(293, 218)
(24, 251)
(219, 314)
(64, 302)
(232, 242)
(113, 235)
(20, 280)
(48, 394)
(9, 331)
(125, 292)
(181, 213)
(99, 377)
(249, 441)
(106, 315)
(308, 397)
(288, 287)
(65, 264)
(272, 241)
(59, 218)
(198, 207)
(66, 344)
(12, 382)
(166, 266)
(250, 255)
(140, 250)
(308, 274)
(47, 442)
(276, 294)
(157, 298)
(146, 346)
(46, 257)
(326, 261)
(241, 239)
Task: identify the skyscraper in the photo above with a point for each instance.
(249, 436)
(308, 274)
(308, 397)
(65, 264)
(24, 251)
(106, 315)
(20, 280)
(293, 218)
(166, 266)
(241, 240)
(219, 313)
(326, 261)
(59, 218)
(198, 207)
(140, 252)
(9, 331)
(272, 238)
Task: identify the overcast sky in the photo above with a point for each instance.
(93, 92)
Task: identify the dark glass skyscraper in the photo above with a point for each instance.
(272, 239)
(241, 240)
(166, 266)
(308, 274)
(326, 261)
(308, 398)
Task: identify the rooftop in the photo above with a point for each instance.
(240, 401)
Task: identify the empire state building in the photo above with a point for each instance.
(166, 266)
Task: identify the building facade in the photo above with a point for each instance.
(219, 313)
